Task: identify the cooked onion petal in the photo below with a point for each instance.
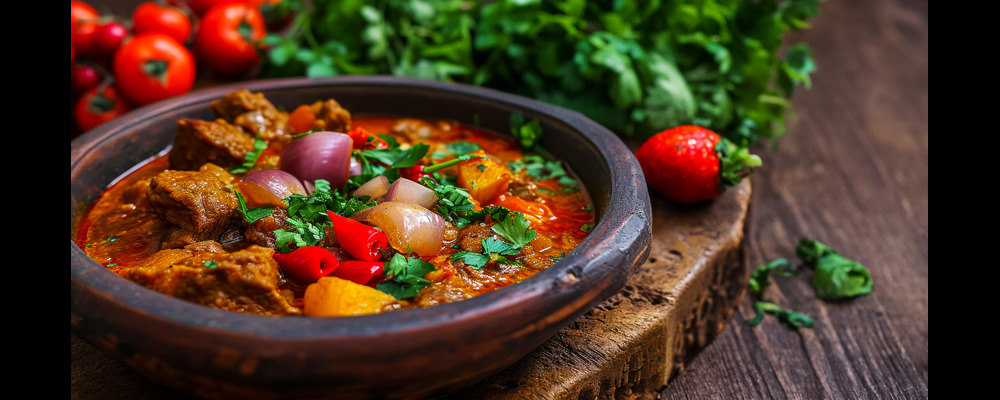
(409, 227)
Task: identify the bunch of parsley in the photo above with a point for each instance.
(636, 67)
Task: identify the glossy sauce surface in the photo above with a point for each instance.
(122, 230)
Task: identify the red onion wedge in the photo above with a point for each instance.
(407, 191)
(409, 227)
(276, 181)
(319, 155)
(374, 188)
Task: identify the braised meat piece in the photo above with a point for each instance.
(199, 142)
(261, 232)
(197, 202)
(255, 114)
(330, 116)
(244, 281)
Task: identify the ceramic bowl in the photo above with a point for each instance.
(415, 353)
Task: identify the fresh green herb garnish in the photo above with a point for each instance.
(835, 277)
(493, 250)
(542, 168)
(587, 228)
(527, 134)
(210, 264)
(516, 229)
(760, 278)
(251, 215)
(792, 318)
(307, 214)
(259, 145)
(512, 227)
(405, 276)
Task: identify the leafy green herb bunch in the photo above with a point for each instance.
(637, 67)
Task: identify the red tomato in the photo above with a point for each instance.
(80, 10)
(99, 105)
(150, 16)
(152, 67)
(227, 39)
(82, 37)
(107, 38)
(83, 23)
(200, 7)
(84, 78)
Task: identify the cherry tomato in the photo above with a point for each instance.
(83, 22)
(99, 105)
(82, 37)
(228, 37)
(150, 16)
(200, 7)
(107, 39)
(152, 67)
(80, 10)
(84, 78)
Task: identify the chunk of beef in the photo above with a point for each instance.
(330, 116)
(255, 114)
(244, 281)
(199, 142)
(197, 202)
(261, 232)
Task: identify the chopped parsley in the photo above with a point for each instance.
(405, 276)
(515, 231)
(760, 278)
(527, 134)
(259, 145)
(307, 215)
(792, 318)
(835, 277)
(251, 215)
(542, 168)
(210, 264)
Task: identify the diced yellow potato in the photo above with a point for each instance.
(483, 178)
(335, 297)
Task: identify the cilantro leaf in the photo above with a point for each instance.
(251, 215)
(515, 229)
(405, 276)
(792, 318)
(760, 278)
(493, 250)
(835, 277)
(527, 134)
(259, 145)
(476, 260)
(307, 214)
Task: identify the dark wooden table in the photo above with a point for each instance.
(852, 173)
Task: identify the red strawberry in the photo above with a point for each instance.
(691, 164)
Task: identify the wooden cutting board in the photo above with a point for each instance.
(626, 348)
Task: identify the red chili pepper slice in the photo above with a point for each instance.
(413, 173)
(307, 264)
(361, 241)
(360, 139)
(362, 272)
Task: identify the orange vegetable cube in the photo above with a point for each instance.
(483, 178)
(335, 297)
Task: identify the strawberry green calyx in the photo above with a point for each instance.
(735, 162)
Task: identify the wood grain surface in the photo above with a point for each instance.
(852, 173)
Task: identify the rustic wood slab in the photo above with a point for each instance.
(626, 348)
